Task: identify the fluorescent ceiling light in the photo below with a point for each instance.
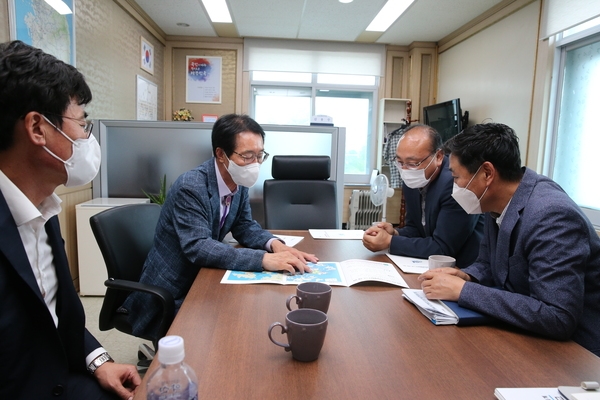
(217, 10)
(59, 6)
(390, 12)
(345, 1)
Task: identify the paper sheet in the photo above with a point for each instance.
(410, 265)
(355, 234)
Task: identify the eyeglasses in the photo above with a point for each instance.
(87, 127)
(249, 157)
(402, 165)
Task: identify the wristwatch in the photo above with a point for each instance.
(98, 361)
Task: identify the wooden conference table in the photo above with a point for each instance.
(378, 345)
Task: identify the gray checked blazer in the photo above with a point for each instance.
(188, 238)
(540, 270)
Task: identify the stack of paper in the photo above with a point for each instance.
(444, 312)
(435, 310)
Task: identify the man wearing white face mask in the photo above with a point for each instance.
(45, 141)
(539, 263)
(202, 206)
(435, 223)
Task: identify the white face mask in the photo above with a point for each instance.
(467, 199)
(84, 163)
(415, 178)
(243, 176)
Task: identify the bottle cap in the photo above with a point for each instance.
(171, 350)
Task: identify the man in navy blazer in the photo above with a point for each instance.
(539, 263)
(435, 223)
(202, 206)
(45, 350)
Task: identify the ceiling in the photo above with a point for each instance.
(425, 20)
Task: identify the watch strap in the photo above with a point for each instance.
(98, 361)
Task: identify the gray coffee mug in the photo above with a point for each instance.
(305, 330)
(315, 295)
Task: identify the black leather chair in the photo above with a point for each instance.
(300, 195)
(125, 235)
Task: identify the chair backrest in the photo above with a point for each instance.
(125, 235)
(300, 195)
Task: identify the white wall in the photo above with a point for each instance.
(492, 72)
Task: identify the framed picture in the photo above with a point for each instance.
(147, 56)
(203, 79)
(40, 25)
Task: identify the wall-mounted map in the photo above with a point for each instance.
(36, 23)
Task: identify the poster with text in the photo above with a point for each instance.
(203, 79)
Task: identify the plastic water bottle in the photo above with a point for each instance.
(174, 379)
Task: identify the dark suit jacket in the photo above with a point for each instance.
(36, 357)
(448, 229)
(188, 238)
(541, 269)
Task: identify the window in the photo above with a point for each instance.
(289, 99)
(574, 137)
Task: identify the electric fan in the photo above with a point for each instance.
(380, 191)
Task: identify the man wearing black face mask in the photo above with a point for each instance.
(202, 206)
(539, 263)
(435, 223)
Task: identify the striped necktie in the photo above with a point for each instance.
(225, 210)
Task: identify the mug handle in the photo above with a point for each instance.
(289, 299)
(283, 330)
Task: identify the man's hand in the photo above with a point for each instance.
(278, 247)
(443, 283)
(284, 261)
(379, 237)
(122, 379)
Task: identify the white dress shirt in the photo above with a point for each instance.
(30, 222)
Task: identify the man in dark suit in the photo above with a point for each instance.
(45, 141)
(539, 263)
(202, 206)
(435, 223)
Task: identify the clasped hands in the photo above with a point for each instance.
(379, 236)
(443, 283)
(285, 258)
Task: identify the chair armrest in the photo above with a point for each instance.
(165, 297)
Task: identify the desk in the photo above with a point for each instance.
(378, 345)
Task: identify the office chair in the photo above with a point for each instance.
(300, 195)
(125, 235)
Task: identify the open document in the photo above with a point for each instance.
(345, 273)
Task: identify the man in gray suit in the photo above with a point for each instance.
(202, 206)
(539, 263)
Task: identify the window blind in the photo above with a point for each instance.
(314, 57)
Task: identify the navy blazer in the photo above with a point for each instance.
(448, 229)
(36, 357)
(541, 269)
(188, 238)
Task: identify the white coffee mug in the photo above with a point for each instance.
(436, 261)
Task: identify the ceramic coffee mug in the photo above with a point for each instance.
(305, 329)
(441, 261)
(315, 295)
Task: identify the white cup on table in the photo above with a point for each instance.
(438, 261)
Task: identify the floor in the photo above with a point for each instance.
(122, 348)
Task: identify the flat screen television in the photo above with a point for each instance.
(444, 117)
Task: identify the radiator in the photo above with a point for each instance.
(362, 211)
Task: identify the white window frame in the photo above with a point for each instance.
(314, 86)
(564, 44)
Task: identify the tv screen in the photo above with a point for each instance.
(444, 117)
